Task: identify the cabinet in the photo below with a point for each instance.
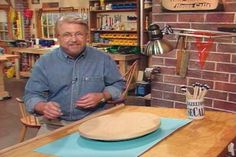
(114, 23)
(27, 58)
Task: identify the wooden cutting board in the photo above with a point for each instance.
(119, 126)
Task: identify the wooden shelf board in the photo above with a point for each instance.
(113, 10)
(113, 31)
(25, 73)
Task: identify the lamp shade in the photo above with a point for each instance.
(156, 45)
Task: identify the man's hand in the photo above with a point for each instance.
(50, 110)
(89, 100)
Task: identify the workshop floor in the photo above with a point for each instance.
(9, 114)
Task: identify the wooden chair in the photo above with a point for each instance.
(26, 119)
(129, 77)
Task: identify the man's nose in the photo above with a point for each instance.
(73, 37)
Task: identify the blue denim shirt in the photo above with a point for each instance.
(59, 78)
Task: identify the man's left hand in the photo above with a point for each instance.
(89, 100)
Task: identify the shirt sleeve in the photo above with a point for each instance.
(114, 82)
(36, 88)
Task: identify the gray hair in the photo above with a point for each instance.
(75, 19)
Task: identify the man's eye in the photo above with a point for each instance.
(66, 35)
(78, 34)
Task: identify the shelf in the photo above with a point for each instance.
(127, 38)
(29, 50)
(114, 31)
(25, 73)
(114, 10)
(103, 44)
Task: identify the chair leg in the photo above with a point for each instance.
(22, 133)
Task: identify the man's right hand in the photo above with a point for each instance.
(50, 110)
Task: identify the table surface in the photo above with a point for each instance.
(201, 138)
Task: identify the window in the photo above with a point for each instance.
(3, 25)
(48, 18)
(47, 22)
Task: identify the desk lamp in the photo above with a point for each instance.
(157, 45)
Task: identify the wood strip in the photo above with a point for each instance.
(184, 60)
(180, 46)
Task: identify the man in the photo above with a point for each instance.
(73, 80)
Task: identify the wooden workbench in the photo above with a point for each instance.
(122, 59)
(3, 58)
(201, 138)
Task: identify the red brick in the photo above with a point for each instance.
(226, 67)
(225, 105)
(165, 17)
(208, 102)
(174, 80)
(192, 81)
(167, 70)
(178, 25)
(170, 54)
(232, 97)
(210, 52)
(194, 73)
(157, 60)
(230, 48)
(233, 78)
(195, 65)
(225, 40)
(156, 1)
(157, 78)
(191, 17)
(220, 17)
(163, 103)
(180, 105)
(170, 62)
(230, 7)
(215, 76)
(233, 58)
(163, 87)
(193, 55)
(156, 9)
(218, 57)
(229, 87)
(216, 95)
(174, 97)
(204, 26)
(178, 89)
(156, 93)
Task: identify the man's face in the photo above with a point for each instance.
(72, 38)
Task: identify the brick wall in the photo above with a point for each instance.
(219, 71)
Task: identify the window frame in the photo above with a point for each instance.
(40, 12)
(6, 8)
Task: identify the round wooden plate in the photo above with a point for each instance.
(119, 126)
